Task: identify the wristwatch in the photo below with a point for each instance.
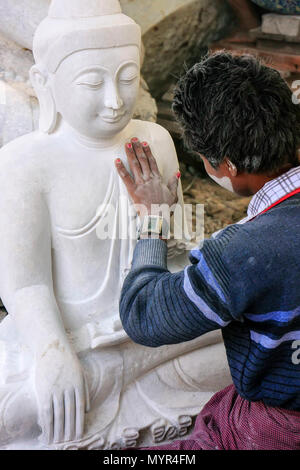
(153, 226)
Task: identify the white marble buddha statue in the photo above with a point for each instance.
(69, 375)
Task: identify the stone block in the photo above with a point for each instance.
(284, 25)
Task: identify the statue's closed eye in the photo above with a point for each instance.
(128, 74)
(128, 80)
(90, 80)
(94, 79)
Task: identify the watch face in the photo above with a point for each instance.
(152, 224)
(155, 224)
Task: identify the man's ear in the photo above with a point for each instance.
(48, 114)
(231, 167)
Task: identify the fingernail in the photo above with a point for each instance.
(134, 139)
(178, 175)
(145, 144)
(129, 146)
(118, 160)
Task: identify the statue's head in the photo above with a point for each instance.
(87, 70)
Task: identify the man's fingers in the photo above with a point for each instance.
(142, 157)
(69, 398)
(134, 164)
(152, 162)
(59, 418)
(80, 415)
(173, 184)
(126, 177)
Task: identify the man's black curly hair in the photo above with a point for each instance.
(236, 107)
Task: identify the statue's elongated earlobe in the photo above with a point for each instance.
(48, 113)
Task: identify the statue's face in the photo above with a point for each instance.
(96, 90)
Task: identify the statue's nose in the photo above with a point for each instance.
(113, 99)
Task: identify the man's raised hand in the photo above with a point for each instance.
(145, 185)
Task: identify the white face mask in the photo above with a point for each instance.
(225, 182)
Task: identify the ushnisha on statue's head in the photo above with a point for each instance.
(87, 70)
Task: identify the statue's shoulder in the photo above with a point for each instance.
(22, 163)
(25, 149)
(162, 145)
(156, 133)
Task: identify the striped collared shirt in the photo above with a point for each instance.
(273, 191)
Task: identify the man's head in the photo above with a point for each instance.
(239, 116)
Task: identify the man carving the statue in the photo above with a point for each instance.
(239, 116)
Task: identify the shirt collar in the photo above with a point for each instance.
(274, 190)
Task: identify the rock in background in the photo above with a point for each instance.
(20, 18)
(18, 105)
(283, 25)
(2, 314)
(181, 37)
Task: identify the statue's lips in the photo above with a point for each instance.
(112, 119)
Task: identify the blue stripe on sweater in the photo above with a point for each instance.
(199, 302)
(270, 343)
(206, 272)
(280, 317)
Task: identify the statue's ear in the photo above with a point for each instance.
(48, 113)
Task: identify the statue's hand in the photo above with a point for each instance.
(62, 393)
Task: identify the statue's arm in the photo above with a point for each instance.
(27, 292)
(25, 263)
